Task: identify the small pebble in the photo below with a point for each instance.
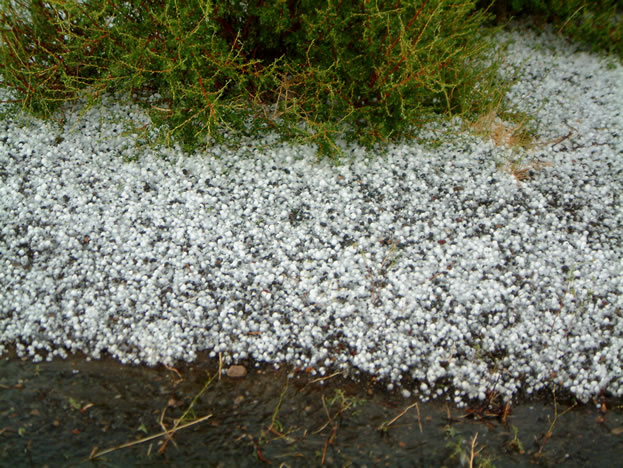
(236, 372)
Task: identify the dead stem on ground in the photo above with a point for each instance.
(489, 409)
(168, 433)
(328, 442)
(385, 426)
(473, 452)
(505, 134)
(176, 372)
(550, 430)
(502, 132)
(96, 454)
(524, 170)
(275, 428)
(322, 379)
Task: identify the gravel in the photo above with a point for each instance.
(432, 268)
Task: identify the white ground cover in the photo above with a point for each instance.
(429, 267)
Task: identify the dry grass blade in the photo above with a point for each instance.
(285, 437)
(419, 417)
(328, 442)
(274, 426)
(385, 426)
(167, 431)
(502, 132)
(550, 430)
(525, 171)
(176, 372)
(345, 405)
(147, 439)
(326, 410)
(320, 379)
(473, 452)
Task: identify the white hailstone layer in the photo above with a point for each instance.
(431, 268)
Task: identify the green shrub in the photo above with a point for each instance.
(597, 23)
(312, 70)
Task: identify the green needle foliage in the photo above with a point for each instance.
(311, 70)
(597, 23)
